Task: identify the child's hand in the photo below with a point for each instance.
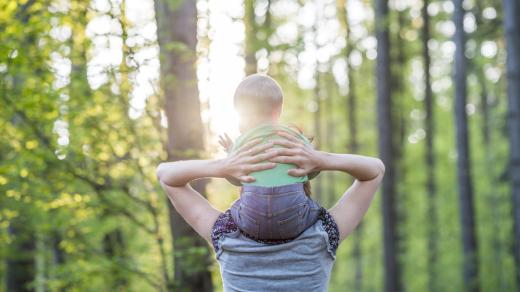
(225, 142)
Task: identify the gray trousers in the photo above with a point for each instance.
(270, 213)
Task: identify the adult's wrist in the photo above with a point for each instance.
(219, 167)
(322, 158)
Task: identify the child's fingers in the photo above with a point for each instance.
(227, 137)
(222, 144)
(220, 139)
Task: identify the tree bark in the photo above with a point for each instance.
(352, 146)
(251, 40)
(329, 137)
(317, 132)
(385, 129)
(491, 198)
(467, 213)
(430, 152)
(512, 35)
(20, 265)
(177, 37)
(114, 248)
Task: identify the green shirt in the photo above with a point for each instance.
(278, 175)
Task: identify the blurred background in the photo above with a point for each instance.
(95, 94)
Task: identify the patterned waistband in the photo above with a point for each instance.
(262, 190)
(225, 224)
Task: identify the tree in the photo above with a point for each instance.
(353, 144)
(465, 187)
(512, 35)
(20, 269)
(430, 151)
(177, 37)
(251, 33)
(386, 153)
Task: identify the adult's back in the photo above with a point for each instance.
(248, 264)
(303, 264)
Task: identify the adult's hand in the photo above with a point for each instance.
(239, 164)
(302, 155)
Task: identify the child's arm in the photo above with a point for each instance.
(192, 206)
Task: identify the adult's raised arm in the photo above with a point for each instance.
(354, 203)
(198, 212)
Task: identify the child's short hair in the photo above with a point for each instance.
(258, 94)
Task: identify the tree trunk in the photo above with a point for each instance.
(385, 130)
(251, 40)
(317, 133)
(467, 216)
(492, 198)
(399, 110)
(352, 146)
(329, 137)
(20, 263)
(512, 35)
(430, 152)
(114, 249)
(177, 37)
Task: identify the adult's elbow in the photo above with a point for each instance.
(159, 171)
(380, 166)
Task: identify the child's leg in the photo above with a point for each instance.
(293, 212)
(246, 221)
(274, 213)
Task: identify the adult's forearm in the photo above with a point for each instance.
(179, 173)
(363, 168)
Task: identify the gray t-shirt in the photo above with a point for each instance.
(303, 264)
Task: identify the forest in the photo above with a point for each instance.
(94, 94)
